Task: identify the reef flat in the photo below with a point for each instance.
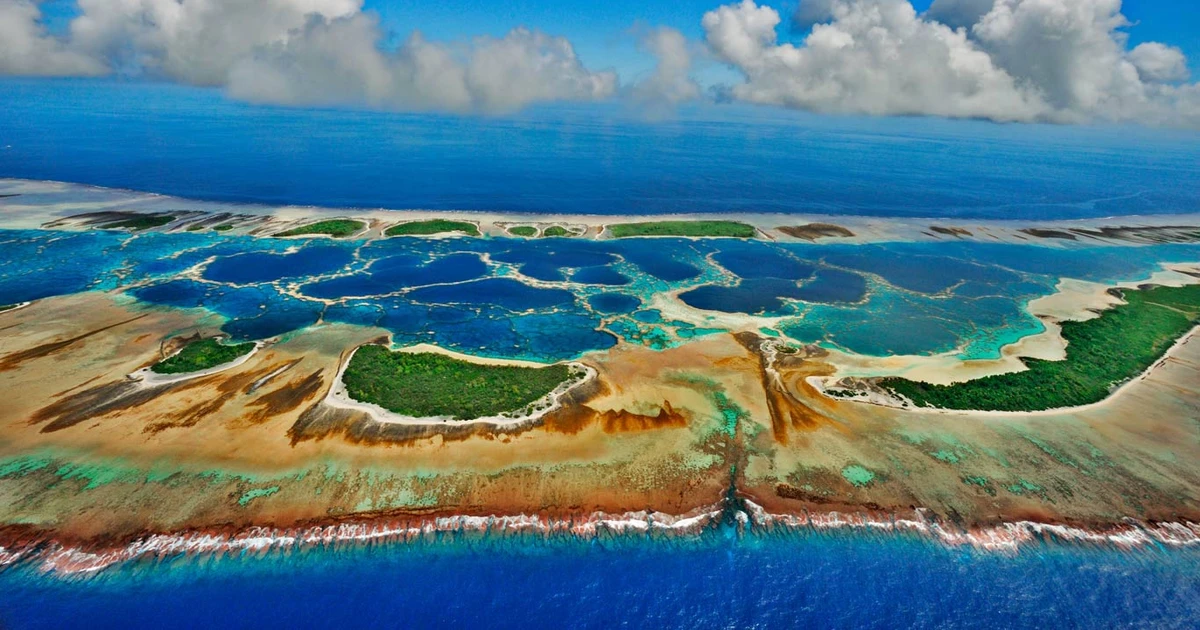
(703, 392)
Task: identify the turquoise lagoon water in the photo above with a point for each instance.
(556, 299)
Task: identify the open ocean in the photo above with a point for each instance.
(192, 143)
(717, 581)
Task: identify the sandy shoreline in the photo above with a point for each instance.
(18, 213)
(147, 377)
(820, 383)
(1073, 300)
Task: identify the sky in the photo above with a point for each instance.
(1059, 61)
(601, 30)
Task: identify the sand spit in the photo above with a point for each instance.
(147, 377)
(56, 558)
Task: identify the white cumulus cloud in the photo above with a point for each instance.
(26, 48)
(872, 57)
(298, 52)
(193, 41)
(670, 83)
(1159, 62)
(339, 61)
(1006, 60)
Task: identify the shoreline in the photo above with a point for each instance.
(1072, 300)
(819, 383)
(865, 229)
(146, 377)
(59, 559)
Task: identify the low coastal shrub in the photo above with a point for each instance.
(726, 229)
(525, 231)
(1101, 353)
(432, 226)
(337, 228)
(201, 355)
(140, 222)
(556, 231)
(429, 385)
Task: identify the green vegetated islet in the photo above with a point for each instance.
(526, 231)
(729, 229)
(432, 226)
(556, 231)
(1101, 353)
(336, 228)
(201, 355)
(140, 222)
(432, 385)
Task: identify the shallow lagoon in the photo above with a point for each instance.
(559, 298)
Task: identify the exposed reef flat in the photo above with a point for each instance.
(251, 457)
(704, 362)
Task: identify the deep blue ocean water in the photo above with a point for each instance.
(588, 159)
(718, 581)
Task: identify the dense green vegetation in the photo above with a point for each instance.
(556, 231)
(223, 228)
(1101, 352)
(526, 231)
(428, 385)
(7, 307)
(201, 355)
(140, 222)
(734, 229)
(336, 228)
(432, 226)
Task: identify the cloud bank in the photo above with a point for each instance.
(1006, 60)
(338, 61)
(298, 52)
(1064, 61)
(26, 49)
